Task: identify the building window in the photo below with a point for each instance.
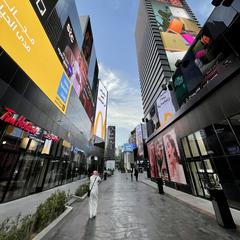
(199, 138)
(193, 146)
(186, 148)
(227, 138)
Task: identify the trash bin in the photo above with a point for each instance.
(160, 185)
(221, 208)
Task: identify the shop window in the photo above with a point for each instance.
(197, 183)
(199, 135)
(7, 164)
(213, 146)
(193, 145)
(235, 122)
(186, 148)
(227, 138)
(223, 169)
(52, 174)
(234, 163)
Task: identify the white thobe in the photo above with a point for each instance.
(93, 200)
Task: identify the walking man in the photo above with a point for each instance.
(93, 200)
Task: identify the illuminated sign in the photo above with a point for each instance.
(101, 110)
(20, 122)
(25, 41)
(52, 137)
(14, 119)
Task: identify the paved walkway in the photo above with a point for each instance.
(133, 210)
(203, 205)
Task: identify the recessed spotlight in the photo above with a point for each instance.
(4, 142)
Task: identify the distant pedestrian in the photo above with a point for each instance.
(131, 174)
(136, 174)
(93, 200)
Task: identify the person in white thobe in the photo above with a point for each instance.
(93, 200)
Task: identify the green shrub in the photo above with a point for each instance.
(49, 210)
(81, 190)
(18, 229)
(25, 228)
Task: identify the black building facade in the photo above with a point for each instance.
(42, 147)
(199, 147)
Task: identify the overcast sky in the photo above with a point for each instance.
(113, 25)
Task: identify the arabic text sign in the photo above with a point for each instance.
(24, 39)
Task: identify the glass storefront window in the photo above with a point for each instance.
(201, 145)
(235, 122)
(213, 146)
(197, 182)
(193, 145)
(186, 148)
(227, 138)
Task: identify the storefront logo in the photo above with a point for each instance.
(20, 122)
(51, 137)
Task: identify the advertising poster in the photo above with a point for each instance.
(165, 107)
(101, 112)
(25, 41)
(154, 170)
(76, 67)
(139, 140)
(178, 30)
(160, 158)
(173, 158)
(87, 43)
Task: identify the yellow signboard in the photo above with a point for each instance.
(24, 39)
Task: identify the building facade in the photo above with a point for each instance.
(164, 31)
(198, 147)
(110, 143)
(47, 107)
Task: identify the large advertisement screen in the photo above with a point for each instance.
(173, 158)
(87, 42)
(99, 127)
(154, 170)
(76, 67)
(177, 29)
(165, 107)
(139, 140)
(24, 39)
(157, 159)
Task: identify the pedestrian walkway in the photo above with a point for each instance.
(200, 204)
(133, 210)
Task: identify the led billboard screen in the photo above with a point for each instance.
(87, 42)
(165, 107)
(99, 127)
(24, 39)
(177, 29)
(75, 65)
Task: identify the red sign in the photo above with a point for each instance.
(51, 137)
(19, 122)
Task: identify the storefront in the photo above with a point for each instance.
(33, 159)
(199, 146)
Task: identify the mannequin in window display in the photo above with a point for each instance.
(174, 161)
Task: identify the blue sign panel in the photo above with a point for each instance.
(63, 88)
